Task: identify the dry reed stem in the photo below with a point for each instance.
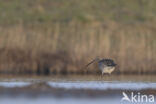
(132, 47)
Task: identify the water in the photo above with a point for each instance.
(41, 100)
(73, 90)
(14, 84)
(101, 85)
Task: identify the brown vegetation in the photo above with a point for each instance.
(67, 47)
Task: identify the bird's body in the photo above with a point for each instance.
(107, 66)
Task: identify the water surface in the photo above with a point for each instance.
(73, 89)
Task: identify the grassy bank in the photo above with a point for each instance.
(46, 11)
(56, 36)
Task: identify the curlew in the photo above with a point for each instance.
(106, 66)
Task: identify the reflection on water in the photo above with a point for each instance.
(14, 84)
(101, 85)
(104, 85)
(79, 91)
(48, 100)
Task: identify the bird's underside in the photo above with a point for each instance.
(108, 70)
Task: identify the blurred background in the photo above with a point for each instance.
(60, 37)
(45, 45)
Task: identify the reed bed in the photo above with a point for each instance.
(64, 48)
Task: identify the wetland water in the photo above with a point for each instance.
(74, 89)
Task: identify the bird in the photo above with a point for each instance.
(106, 66)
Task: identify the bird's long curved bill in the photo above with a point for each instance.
(90, 63)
